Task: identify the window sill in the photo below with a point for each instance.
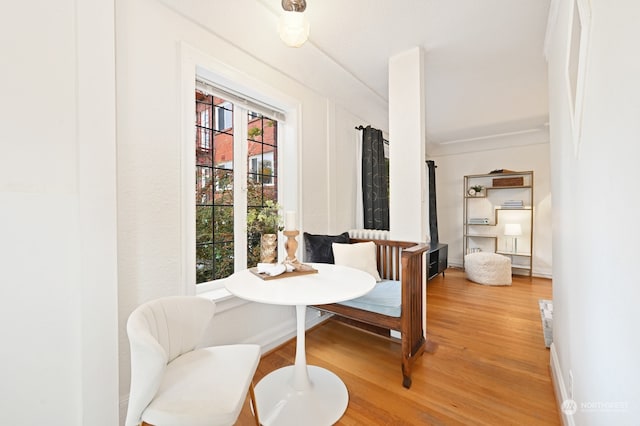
(224, 300)
(217, 295)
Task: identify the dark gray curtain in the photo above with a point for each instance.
(375, 197)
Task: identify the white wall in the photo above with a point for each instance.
(449, 189)
(149, 40)
(595, 219)
(57, 214)
(343, 146)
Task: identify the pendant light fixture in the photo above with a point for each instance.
(293, 26)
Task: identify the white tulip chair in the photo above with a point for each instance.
(173, 380)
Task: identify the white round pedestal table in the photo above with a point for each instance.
(300, 394)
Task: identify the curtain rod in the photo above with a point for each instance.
(361, 127)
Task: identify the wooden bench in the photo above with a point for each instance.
(403, 262)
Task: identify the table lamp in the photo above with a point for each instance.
(513, 230)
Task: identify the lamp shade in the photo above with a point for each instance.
(512, 229)
(293, 28)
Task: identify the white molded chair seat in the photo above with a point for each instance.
(172, 382)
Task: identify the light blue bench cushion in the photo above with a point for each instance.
(385, 299)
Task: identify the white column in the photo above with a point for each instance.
(97, 211)
(407, 138)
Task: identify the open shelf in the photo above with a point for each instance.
(490, 203)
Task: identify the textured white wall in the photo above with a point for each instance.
(57, 215)
(595, 218)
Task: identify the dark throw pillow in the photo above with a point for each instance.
(318, 249)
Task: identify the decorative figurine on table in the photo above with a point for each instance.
(291, 244)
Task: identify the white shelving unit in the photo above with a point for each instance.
(505, 199)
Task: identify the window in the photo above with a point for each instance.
(222, 243)
(224, 115)
(262, 148)
(262, 156)
(204, 128)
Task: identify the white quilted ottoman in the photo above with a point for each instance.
(488, 268)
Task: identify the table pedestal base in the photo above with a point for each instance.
(280, 404)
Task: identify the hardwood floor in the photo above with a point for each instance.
(489, 366)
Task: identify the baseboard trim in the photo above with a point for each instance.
(540, 274)
(560, 390)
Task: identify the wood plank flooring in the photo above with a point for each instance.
(489, 367)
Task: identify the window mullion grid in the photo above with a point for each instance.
(204, 171)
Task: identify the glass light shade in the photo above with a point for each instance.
(512, 229)
(293, 28)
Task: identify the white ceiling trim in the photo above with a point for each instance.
(489, 143)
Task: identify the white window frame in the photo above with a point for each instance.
(577, 56)
(239, 114)
(195, 63)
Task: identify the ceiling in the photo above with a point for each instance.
(485, 72)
